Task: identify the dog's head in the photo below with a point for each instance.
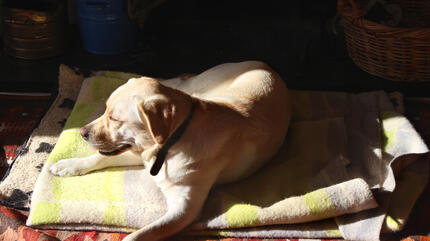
(138, 115)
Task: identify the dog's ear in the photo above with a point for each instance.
(157, 113)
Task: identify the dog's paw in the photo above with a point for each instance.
(67, 168)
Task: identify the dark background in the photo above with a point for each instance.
(302, 40)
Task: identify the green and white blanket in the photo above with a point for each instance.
(344, 171)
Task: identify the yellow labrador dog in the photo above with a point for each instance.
(216, 127)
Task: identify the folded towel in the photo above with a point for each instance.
(335, 141)
(335, 175)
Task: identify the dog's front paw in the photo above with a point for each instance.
(67, 168)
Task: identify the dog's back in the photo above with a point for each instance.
(258, 93)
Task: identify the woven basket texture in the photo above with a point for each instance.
(400, 53)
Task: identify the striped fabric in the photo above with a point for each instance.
(342, 153)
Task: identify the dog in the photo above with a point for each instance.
(190, 133)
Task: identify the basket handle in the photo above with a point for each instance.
(350, 8)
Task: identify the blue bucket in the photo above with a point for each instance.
(105, 26)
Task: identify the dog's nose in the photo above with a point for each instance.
(84, 133)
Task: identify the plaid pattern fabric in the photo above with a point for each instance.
(13, 228)
(109, 198)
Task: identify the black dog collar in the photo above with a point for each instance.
(161, 155)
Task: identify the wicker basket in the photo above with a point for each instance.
(394, 53)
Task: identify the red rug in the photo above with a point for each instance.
(19, 115)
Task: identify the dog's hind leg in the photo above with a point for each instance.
(184, 205)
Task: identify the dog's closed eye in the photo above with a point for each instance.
(112, 118)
